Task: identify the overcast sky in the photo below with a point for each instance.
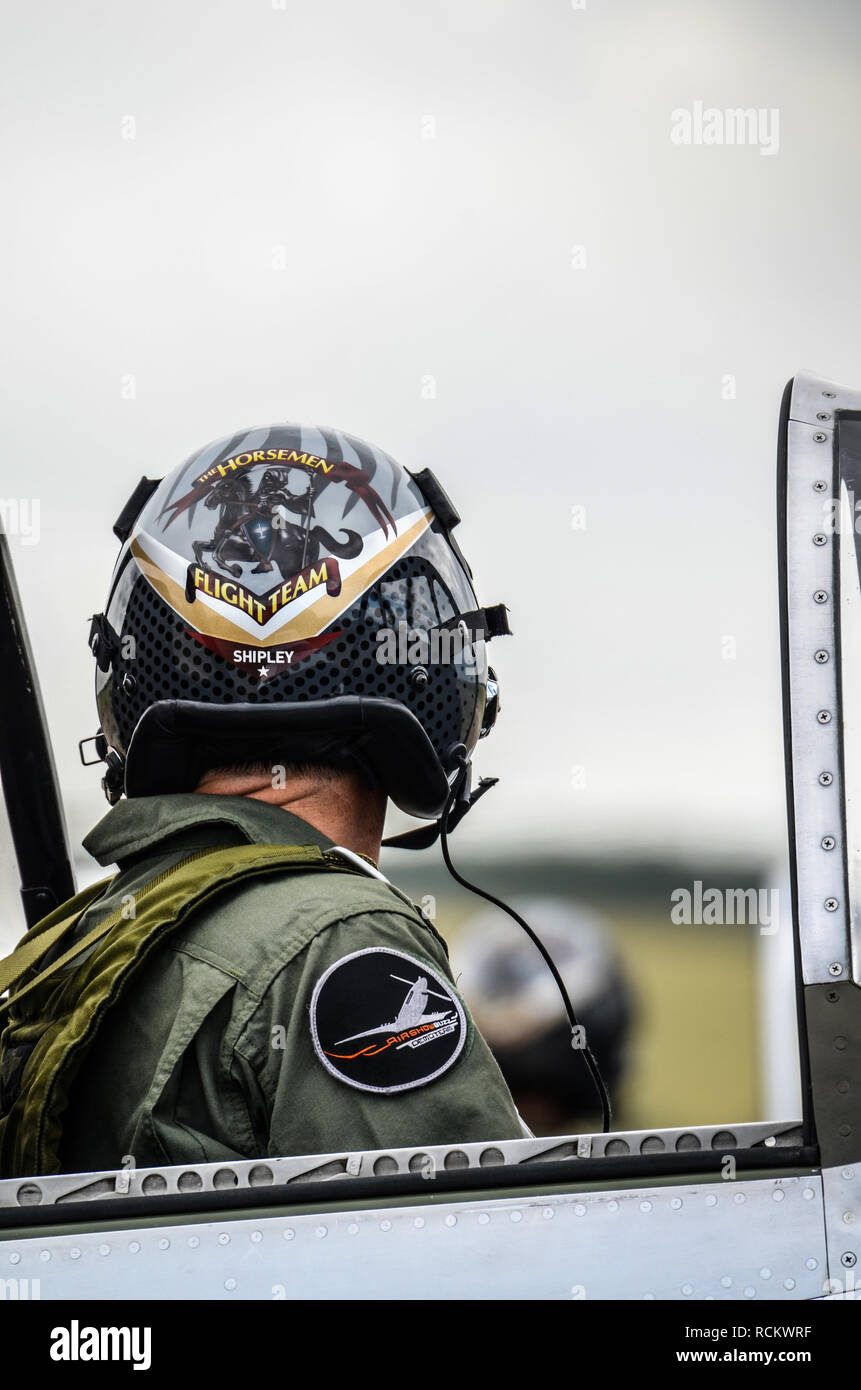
(463, 231)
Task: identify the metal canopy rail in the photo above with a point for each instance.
(818, 469)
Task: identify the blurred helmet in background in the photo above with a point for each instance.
(517, 1006)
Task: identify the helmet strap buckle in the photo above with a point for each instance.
(113, 782)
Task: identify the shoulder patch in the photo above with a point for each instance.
(381, 1021)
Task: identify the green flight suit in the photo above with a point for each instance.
(210, 1053)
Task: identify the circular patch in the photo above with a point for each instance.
(381, 1021)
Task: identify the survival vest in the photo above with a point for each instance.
(54, 1014)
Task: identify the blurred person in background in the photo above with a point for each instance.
(518, 1008)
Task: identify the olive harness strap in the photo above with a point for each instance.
(72, 994)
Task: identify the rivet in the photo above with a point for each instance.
(15, 1258)
(841, 1043)
(611, 1206)
(256, 1237)
(419, 1223)
(230, 1283)
(46, 1254)
(750, 1291)
(290, 1234)
(820, 539)
(844, 1131)
(821, 656)
(835, 968)
(765, 1272)
(580, 1210)
(812, 1263)
(824, 716)
(164, 1243)
(726, 1282)
(134, 1247)
(516, 1216)
(352, 1229)
(826, 778)
(820, 596)
(687, 1290)
(194, 1241)
(820, 436)
(103, 1250)
(842, 1086)
(739, 1198)
(224, 1238)
(808, 1194)
(831, 904)
(321, 1231)
(483, 1218)
(789, 1283)
(848, 1174)
(547, 1213)
(676, 1203)
(778, 1194)
(451, 1220)
(76, 1253)
(385, 1225)
(828, 842)
(769, 1141)
(711, 1200)
(645, 1206)
(848, 1218)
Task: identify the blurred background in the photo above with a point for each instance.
(463, 230)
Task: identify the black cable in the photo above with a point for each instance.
(586, 1051)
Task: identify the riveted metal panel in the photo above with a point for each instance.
(814, 400)
(842, 1196)
(750, 1240)
(814, 694)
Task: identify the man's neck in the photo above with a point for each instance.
(343, 807)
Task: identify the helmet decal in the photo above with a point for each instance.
(277, 563)
(309, 601)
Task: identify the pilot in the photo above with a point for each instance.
(303, 1004)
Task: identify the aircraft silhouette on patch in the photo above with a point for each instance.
(411, 1013)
